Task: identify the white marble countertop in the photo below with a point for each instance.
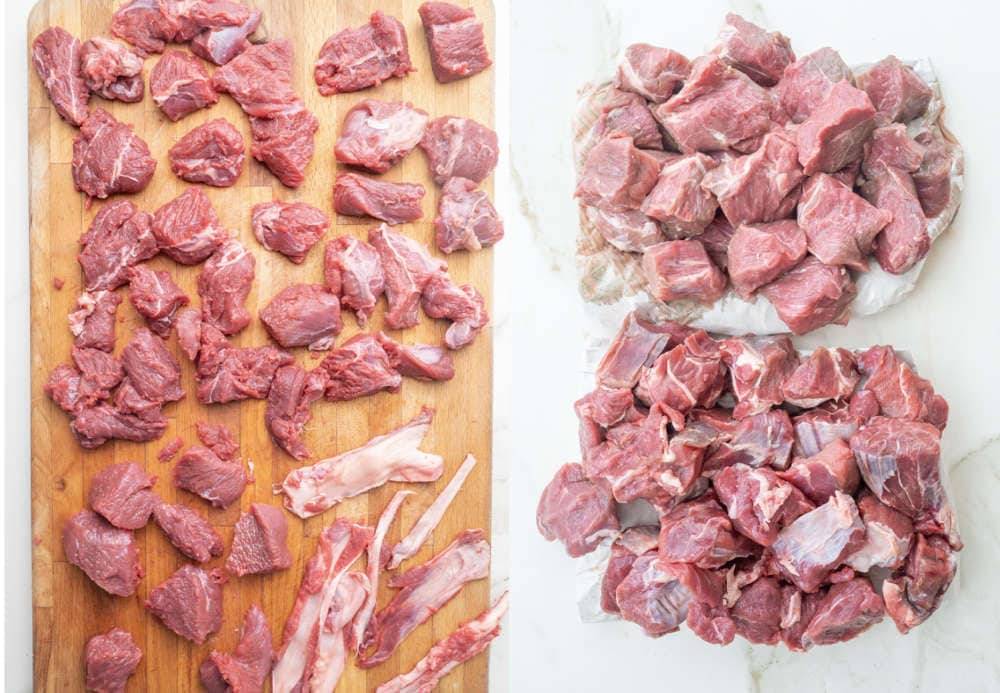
(949, 324)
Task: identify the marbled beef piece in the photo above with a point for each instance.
(203, 473)
(112, 70)
(110, 659)
(617, 174)
(888, 535)
(108, 555)
(811, 295)
(212, 153)
(898, 391)
(407, 267)
(896, 90)
(759, 502)
(628, 114)
(463, 305)
(56, 55)
(904, 241)
(828, 374)
(189, 603)
(466, 218)
(652, 72)
(226, 373)
(155, 297)
(834, 135)
(840, 225)
(284, 143)
(94, 426)
(93, 321)
(227, 26)
(189, 532)
(260, 542)
(180, 85)
(577, 511)
(933, 178)
(109, 158)
(419, 361)
(147, 24)
(806, 82)
(758, 366)
(99, 371)
(119, 237)
(224, 284)
(628, 230)
(459, 147)
(152, 368)
(63, 388)
(830, 470)
(289, 228)
(639, 343)
(377, 135)
(891, 145)
(355, 59)
(357, 368)
(393, 203)
(260, 79)
(303, 315)
(678, 199)
(455, 40)
(912, 595)
(121, 494)
(247, 668)
(682, 270)
(760, 253)
(293, 391)
(353, 272)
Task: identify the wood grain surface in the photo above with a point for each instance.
(68, 608)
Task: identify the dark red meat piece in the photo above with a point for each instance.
(212, 153)
(155, 297)
(180, 85)
(202, 472)
(576, 511)
(109, 158)
(110, 659)
(393, 203)
(189, 532)
(260, 542)
(353, 272)
(108, 555)
(224, 284)
(93, 321)
(189, 603)
(303, 315)
(358, 368)
(455, 40)
(290, 228)
(56, 55)
(293, 391)
(355, 59)
(121, 494)
(119, 237)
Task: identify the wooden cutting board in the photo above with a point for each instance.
(68, 608)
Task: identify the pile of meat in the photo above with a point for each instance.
(748, 174)
(799, 498)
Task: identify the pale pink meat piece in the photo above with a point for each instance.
(628, 114)
(147, 24)
(112, 70)
(118, 238)
(891, 145)
(224, 284)
(896, 90)
(757, 368)
(651, 72)
(284, 143)
(181, 85)
(187, 228)
(760, 253)
(93, 321)
(638, 343)
(56, 55)
(260, 542)
(355, 59)
(394, 203)
(212, 153)
(459, 147)
(358, 368)
(108, 555)
(682, 270)
(247, 668)
(835, 133)
(334, 635)
(121, 494)
(260, 79)
(189, 603)
(463, 305)
(203, 473)
(811, 295)
(678, 199)
(424, 589)
(303, 315)
(830, 470)
(455, 40)
(577, 511)
(840, 225)
(407, 267)
(827, 374)
(155, 297)
(393, 456)
(289, 228)
(110, 659)
(63, 388)
(292, 392)
(753, 51)
(904, 241)
(189, 332)
(376, 135)
(617, 174)
(628, 230)
(427, 362)
(806, 82)
(353, 271)
(189, 532)
(466, 219)
(109, 158)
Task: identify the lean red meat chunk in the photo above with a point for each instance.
(393, 203)
(638, 343)
(246, 669)
(627, 547)
(56, 55)
(679, 270)
(830, 470)
(933, 178)
(628, 114)
(840, 225)
(358, 368)
(914, 594)
(189, 603)
(108, 555)
(109, 158)
(355, 59)
(897, 92)
(187, 228)
(353, 272)
(806, 82)
(459, 147)
(99, 373)
(760, 440)
(678, 199)
(218, 439)
(112, 70)
(760, 253)
(393, 456)
(189, 332)
(466, 219)
(189, 532)
(652, 72)
(904, 241)
(119, 237)
(891, 145)
(463, 305)
(428, 362)
(226, 373)
(888, 536)
(757, 368)
(260, 542)
(180, 85)
(212, 153)
(121, 494)
(617, 175)
(93, 321)
(224, 284)
(155, 297)
(110, 659)
(899, 392)
(94, 426)
(848, 609)
(699, 532)
(303, 315)
(284, 143)
(260, 79)
(760, 55)
(834, 134)
(147, 24)
(407, 267)
(759, 502)
(377, 135)
(203, 473)
(827, 374)
(812, 295)
(692, 374)
(455, 40)
(63, 388)
(289, 228)
(151, 367)
(292, 392)
(225, 35)
(576, 511)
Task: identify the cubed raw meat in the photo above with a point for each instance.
(750, 49)
(455, 40)
(682, 270)
(812, 295)
(904, 241)
(808, 80)
(840, 225)
(896, 90)
(652, 72)
(834, 135)
(678, 198)
(760, 253)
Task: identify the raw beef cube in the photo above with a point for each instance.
(463, 305)
(682, 270)
(189, 603)
(904, 241)
(652, 72)
(224, 285)
(189, 332)
(757, 613)
(933, 178)
(203, 473)
(631, 460)
(690, 375)
(899, 391)
(108, 555)
(888, 536)
(377, 135)
(840, 225)
(455, 40)
(626, 113)
(180, 85)
(121, 494)
(189, 532)
(353, 272)
(808, 80)
(303, 315)
(759, 502)
(466, 219)
(678, 198)
(911, 597)
(826, 374)
(284, 143)
(699, 532)
(812, 295)
(652, 598)
(146, 24)
(152, 368)
(757, 367)
(418, 361)
(112, 70)
(99, 371)
(834, 135)
(820, 476)
(247, 668)
(617, 174)
(716, 108)
(119, 237)
(260, 79)
(109, 158)
(845, 612)
(627, 230)
(751, 50)
(459, 147)
(156, 297)
(63, 388)
(760, 253)
(225, 373)
(223, 43)
(638, 343)
(212, 153)
(260, 542)
(393, 203)
(355, 59)
(56, 55)
(757, 441)
(93, 321)
(187, 228)
(293, 391)
(358, 368)
(759, 186)
(819, 541)
(407, 268)
(817, 428)
(290, 228)
(890, 145)
(897, 92)
(628, 546)
(94, 426)
(110, 659)
(716, 238)
(218, 439)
